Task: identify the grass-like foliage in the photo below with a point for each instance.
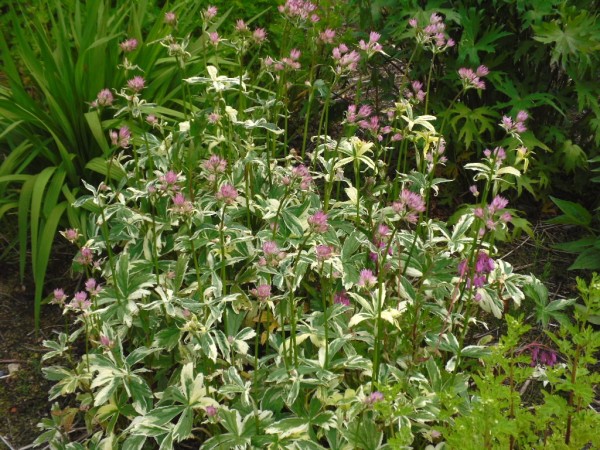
(260, 274)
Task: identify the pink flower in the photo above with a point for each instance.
(472, 79)
(215, 164)
(227, 194)
(92, 287)
(170, 18)
(211, 411)
(374, 398)
(409, 205)
(136, 84)
(85, 256)
(59, 297)
(129, 45)
(262, 291)
(302, 10)
(122, 138)
(241, 26)
(259, 35)
(104, 98)
(323, 252)
(80, 301)
(70, 234)
(341, 298)
(152, 120)
(366, 279)
(105, 341)
(270, 248)
(327, 36)
(318, 222)
(210, 13)
(214, 117)
(181, 205)
(214, 38)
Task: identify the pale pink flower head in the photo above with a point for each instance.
(104, 98)
(227, 194)
(214, 38)
(318, 222)
(181, 205)
(323, 252)
(85, 256)
(92, 287)
(121, 138)
(59, 297)
(374, 398)
(262, 292)
(240, 26)
(152, 120)
(80, 301)
(341, 298)
(215, 165)
(295, 54)
(129, 45)
(136, 84)
(211, 411)
(70, 234)
(409, 205)
(327, 36)
(270, 248)
(105, 341)
(366, 279)
(214, 117)
(210, 12)
(170, 18)
(498, 203)
(259, 35)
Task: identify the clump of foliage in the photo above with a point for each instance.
(249, 286)
(549, 71)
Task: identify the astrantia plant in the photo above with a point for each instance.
(243, 294)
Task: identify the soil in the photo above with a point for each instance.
(23, 389)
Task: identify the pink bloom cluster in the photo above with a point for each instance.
(301, 10)
(354, 116)
(409, 205)
(262, 292)
(227, 194)
(483, 266)
(540, 354)
(210, 13)
(373, 398)
(215, 166)
(170, 18)
(495, 157)
(516, 126)
(416, 94)
(104, 98)
(169, 181)
(71, 235)
(434, 33)
(366, 279)
(492, 214)
(341, 298)
(345, 60)
(80, 301)
(136, 84)
(129, 45)
(120, 138)
(299, 174)
(323, 252)
(273, 255)
(472, 79)
(327, 36)
(181, 205)
(372, 46)
(318, 222)
(290, 62)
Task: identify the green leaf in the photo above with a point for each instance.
(574, 213)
